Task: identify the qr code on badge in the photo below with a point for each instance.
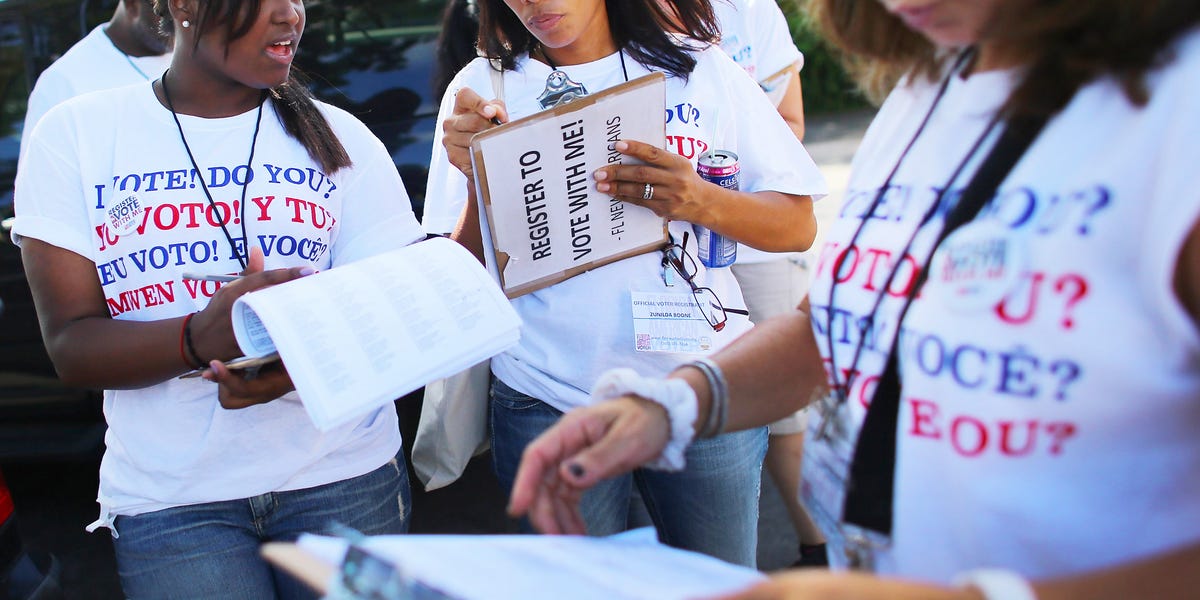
(643, 341)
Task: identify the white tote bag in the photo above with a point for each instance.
(453, 426)
(454, 416)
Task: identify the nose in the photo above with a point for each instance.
(288, 11)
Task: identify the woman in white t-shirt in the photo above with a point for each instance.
(225, 165)
(581, 327)
(1044, 436)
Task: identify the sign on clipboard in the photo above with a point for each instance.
(541, 214)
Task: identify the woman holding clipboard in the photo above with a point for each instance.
(223, 165)
(577, 329)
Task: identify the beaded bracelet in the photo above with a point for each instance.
(191, 349)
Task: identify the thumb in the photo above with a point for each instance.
(255, 262)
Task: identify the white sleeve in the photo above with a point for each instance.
(771, 157)
(446, 191)
(51, 89)
(49, 199)
(377, 214)
(774, 49)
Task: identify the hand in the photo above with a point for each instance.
(680, 193)
(212, 328)
(471, 115)
(820, 584)
(238, 389)
(587, 445)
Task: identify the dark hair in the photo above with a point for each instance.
(456, 42)
(639, 27)
(1064, 43)
(294, 104)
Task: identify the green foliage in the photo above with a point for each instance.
(826, 86)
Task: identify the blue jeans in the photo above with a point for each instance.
(711, 506)
(211, 550)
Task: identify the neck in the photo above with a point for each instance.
(120, 31)
(560, 57)
(994, 58)
(205, 97)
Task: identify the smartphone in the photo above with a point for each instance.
(245, 363)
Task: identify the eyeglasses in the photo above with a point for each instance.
(710, 305)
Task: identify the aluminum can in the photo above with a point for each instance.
(719, 167)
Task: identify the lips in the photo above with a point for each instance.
(918, 17)
(544, 22)
(282, 50)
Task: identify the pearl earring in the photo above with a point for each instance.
(186, 23)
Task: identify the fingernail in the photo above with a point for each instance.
(306, 271)
(576, 470)
(489, 111)
(602, 187)
(600, 175)
(622, 146)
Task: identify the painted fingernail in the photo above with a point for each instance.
(306, 271)
(622, 146)
(600, 175)
(576, 470)
(602, 187)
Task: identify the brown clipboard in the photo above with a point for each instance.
(488, 207)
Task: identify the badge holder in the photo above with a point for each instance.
(365, 576)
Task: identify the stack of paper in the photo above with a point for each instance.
(631, 565)
(361, 335)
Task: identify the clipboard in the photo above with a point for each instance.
(775, 84)
(542, 216)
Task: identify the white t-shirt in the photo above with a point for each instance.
(172, 444)
(577, 329)
(1057, 430)
(92, 64)
(754, 33)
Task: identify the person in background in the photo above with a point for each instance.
(754, 33)
(456, 42)
(198, 473)
(132, 47)
(584, 325)
(1043, 359)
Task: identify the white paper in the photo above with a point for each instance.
(361, 335)
(544, 212)
(632, 565)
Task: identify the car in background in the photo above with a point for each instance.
(374, 59)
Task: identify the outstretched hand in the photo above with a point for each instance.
(821, 584)
(587, 445)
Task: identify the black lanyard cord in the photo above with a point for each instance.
(244, 255)
(842, 389)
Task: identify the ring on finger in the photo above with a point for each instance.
(647, 192)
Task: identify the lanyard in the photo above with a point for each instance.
(870, 485)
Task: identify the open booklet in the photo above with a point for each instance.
(545, 220)
(358, 336)
(630, 565)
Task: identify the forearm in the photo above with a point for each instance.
(772, 371)
(103, 353)
(1166, 576)
(467, 231)
(771, 221)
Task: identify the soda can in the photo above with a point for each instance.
(719, 167)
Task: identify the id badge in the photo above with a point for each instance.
(669, 322)
(977, 266)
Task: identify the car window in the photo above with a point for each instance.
(375, 59)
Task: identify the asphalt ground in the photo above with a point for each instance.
(55, 500)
